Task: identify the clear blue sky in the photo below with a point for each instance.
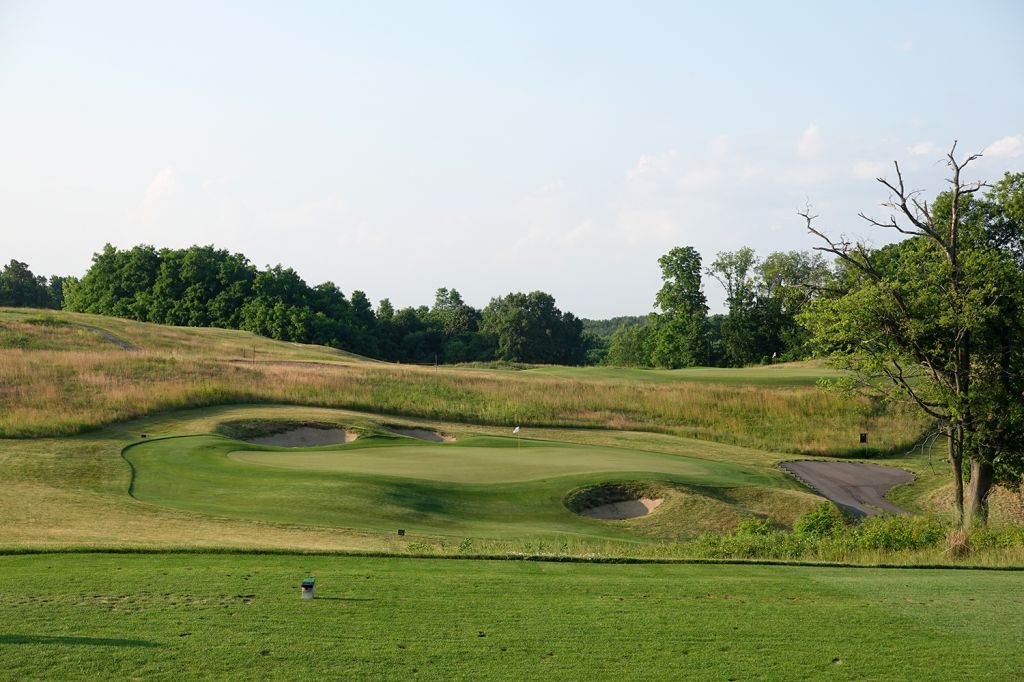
(400, 147)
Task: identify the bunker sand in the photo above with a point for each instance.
(306, 437)
(423, 434)
(856, 487)
(627, 509)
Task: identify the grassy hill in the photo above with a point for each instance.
(59, 382)
(82, 389)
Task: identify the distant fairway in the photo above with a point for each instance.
(789, 374)
(480, 486)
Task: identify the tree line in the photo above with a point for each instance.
(764, 299)
(22, 289)
(202, 286)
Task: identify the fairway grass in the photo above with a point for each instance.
(188, 616)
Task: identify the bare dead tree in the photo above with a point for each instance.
(949, 366)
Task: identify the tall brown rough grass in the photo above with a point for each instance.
(56, 392)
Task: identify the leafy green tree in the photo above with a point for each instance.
(530, 328)
(631, 345)
(1006, 215)
(118, 283)
(742, 331)
(788, 281)
(278, 307)
(55, 289)
(936, 320)
(679, 329)
(19, 287)
(453, 317)
(681, 291)
(385, 311)
(606, 328)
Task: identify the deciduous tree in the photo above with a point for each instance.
(935, 319)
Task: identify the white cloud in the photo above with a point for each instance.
(552, 187)
(905, 45)
(651, 164)
(585, 230)
(810, 142)
(1011, 145)
(869, 170)
(699, 178)
(162, 189)
(721, 148)
(645, 225)
(922, 149)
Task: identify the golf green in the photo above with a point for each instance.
(480, 486)
(477, 464)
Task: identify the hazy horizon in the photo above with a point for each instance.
(561, 147)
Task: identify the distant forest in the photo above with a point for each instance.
(202, 286)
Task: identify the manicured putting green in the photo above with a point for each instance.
(482, 486)
(476, 464)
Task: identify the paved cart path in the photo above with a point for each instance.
(858, 488)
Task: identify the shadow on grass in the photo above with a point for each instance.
(87, 641)
(344, 599)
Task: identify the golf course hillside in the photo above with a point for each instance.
(179, 437)
(64, 377)
(174, 485)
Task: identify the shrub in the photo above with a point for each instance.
(901, 532)
(825, 520)
(1004, 538)
(751, 525)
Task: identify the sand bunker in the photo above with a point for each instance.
(423, 434)
(627, 509)
(306, 437)
(858, 488)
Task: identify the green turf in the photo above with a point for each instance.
(790, 374)
(173, 617)
(481, 486)
(477, 460)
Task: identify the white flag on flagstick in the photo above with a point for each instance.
(515, 430)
